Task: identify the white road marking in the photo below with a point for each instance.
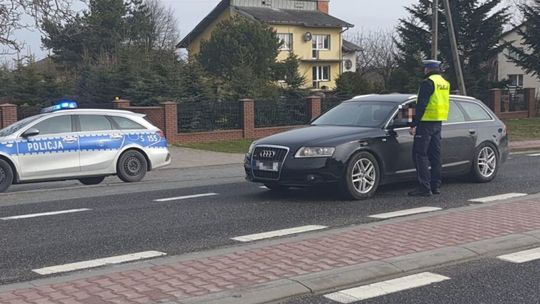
(522, 256)
(99, 262)
(25, 216)
(263, 187)
(283, 232)
(185, 197)
(385, 287)
(534, 155)
(405, 212)
(497, 197)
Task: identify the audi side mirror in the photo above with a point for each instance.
(400, 123)
(30, 132)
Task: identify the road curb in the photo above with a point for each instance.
(372, 271)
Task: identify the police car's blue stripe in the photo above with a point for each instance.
(86, 142)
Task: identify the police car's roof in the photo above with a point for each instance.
(94, 111)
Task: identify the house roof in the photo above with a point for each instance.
(267, 15)
(350, 47)
(292, 17)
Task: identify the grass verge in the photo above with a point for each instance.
(523, 129)
(227, 146)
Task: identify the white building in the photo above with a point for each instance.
(506, 69)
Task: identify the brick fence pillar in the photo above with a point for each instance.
(248, 115)
(495, 100)
(314, 107)
(8, 113)
(530, 99)
(170, 115)
(121, 103)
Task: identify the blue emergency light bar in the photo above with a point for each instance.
(62, 105)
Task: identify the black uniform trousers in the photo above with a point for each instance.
(426, 153)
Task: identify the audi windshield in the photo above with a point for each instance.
(357, 114)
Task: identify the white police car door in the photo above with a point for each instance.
(53, 153)
(99, 144)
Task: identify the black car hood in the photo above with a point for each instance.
(319, 135)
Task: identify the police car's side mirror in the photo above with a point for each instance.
(30, 132)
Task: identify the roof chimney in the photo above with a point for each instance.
(322, 6)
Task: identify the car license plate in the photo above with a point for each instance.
(267, 166)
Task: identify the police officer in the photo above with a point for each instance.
(431, 110)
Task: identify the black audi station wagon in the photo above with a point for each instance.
(365, 142)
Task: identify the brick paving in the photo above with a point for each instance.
(250, 267)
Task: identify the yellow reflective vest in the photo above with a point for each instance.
(439, 103)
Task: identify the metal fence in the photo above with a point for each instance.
(281, 112)
(201, 116)
(513, 100)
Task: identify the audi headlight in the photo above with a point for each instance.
(315, 152)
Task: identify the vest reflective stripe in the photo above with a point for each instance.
(439, 102)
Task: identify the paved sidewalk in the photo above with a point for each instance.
(188, 158)
(319, 261)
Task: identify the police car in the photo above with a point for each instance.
(65, 142)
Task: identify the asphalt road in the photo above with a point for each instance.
(484, 281)
(124, 218)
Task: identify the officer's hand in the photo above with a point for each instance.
(412, 131)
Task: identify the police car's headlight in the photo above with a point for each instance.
(251, 147)
(315, 152)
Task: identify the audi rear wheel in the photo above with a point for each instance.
(486, 163)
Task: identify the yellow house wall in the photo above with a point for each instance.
(301, 48)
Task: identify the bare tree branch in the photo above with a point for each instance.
(16, 15)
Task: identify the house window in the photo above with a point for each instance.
(320, 73)
(286, 40)
(513, 54)
(321, 42)
(516, 80)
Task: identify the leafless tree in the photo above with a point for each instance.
(165, 25)
(24, 14)
(377, 58)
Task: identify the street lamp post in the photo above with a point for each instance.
(455, 53)
(435, 30)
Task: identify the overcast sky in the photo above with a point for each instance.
(364, 14)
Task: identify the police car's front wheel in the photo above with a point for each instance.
(132, 166)
(6, 175)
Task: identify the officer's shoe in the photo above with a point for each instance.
(436, 191)
(420, 192)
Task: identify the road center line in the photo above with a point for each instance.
(99, 262)
(385, 287)
(25, 216)
(522, 256)
(185, 197)
(497, 197)
(276, 233)
(405, 212)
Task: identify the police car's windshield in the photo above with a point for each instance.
(18, 125)
(357, 114)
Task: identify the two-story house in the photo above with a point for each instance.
(508, 70)
(305, 28)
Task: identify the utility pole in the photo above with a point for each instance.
(453, 43)
(435, 30)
